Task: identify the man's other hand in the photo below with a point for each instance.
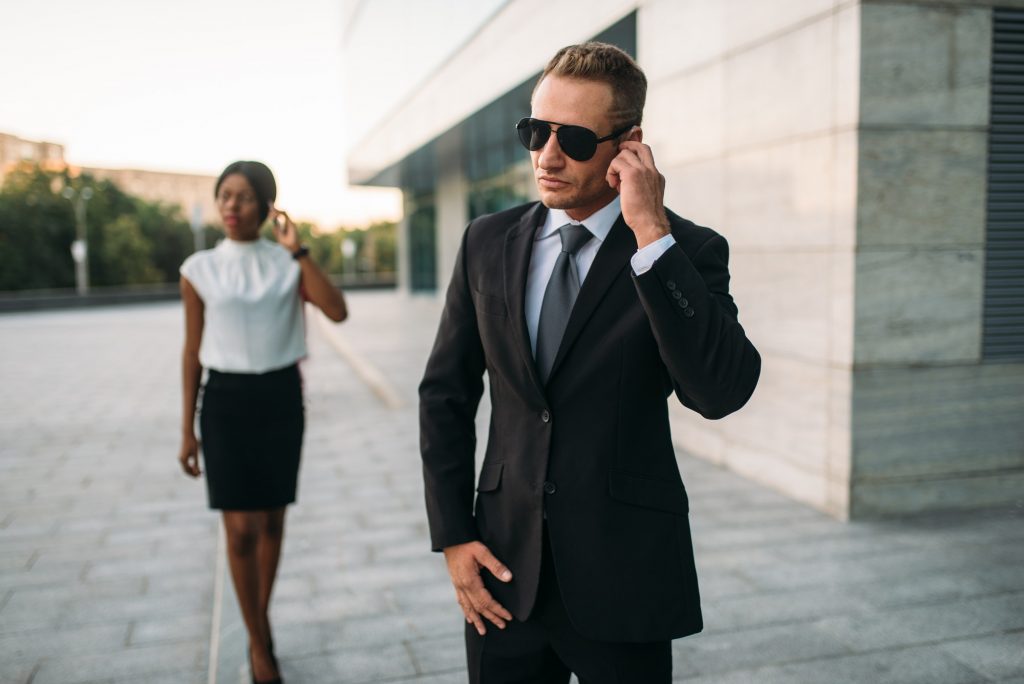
(464, 563)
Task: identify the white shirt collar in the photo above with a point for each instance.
(599, 223)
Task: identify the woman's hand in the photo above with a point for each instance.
(189, 455)
(285, 232)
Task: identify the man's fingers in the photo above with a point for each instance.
(472, 616)
(612, 176)
(467, 609)
(479, 624)
(494, 611)
(495, 619)
(484, 603)
(642, 151)
(497, 568)
(629, 159)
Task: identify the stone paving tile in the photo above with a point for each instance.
(327, 606)
(31, 645)
(141, 663)
(14, 672)
(177, 677)
(774, 644)
(998, 657)
(754, 610)
(367, 631)
(940, 587)
(931, 623)
(159, 628)
(437, 655)
(303, 638)
(353, 666)
(453, 676)
(926, 665)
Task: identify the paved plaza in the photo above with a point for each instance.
(112, 568)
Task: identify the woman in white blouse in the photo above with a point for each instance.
(244, 324)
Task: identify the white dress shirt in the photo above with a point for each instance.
(548, 245)
(252, 309)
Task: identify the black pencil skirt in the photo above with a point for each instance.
(251, 429)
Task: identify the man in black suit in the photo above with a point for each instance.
(587, 310)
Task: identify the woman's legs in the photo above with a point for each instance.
(245, 532)
(269, 554)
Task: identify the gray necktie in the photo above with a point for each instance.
(559, 297)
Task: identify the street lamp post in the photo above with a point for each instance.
(198, 239)
(348, 250)
(80, 247)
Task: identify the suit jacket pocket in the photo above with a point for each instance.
(489, 304)
(490, 477)
(648, 492)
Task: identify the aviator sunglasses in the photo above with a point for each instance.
(577, 142)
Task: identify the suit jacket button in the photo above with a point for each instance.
(550, 488)
(688, 312)
(545, 416)
(677, 294)
(683, 303)
(670, 284)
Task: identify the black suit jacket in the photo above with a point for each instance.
(592, 447)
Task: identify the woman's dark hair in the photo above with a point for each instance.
(260, 178)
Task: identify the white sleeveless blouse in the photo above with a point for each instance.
(253, 312)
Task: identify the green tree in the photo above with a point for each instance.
(131, 240)
(36, 229)
(126, 254)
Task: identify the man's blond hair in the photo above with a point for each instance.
(604, 63)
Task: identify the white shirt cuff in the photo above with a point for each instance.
(645, 257)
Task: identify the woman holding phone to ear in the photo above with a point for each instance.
(243, 323)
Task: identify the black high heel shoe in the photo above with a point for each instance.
(252, 673)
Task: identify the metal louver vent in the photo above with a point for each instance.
(1003, 331)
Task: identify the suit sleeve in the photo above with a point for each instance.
(449, 396)
(713, 366)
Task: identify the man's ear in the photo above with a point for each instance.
(636, 134)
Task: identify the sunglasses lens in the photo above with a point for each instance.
(577, 142)
(533, 134)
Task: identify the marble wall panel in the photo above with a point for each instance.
(922, 187)
(683, 117)
(918, 306)
(925, 65)
(887, 499)
(782, 88)
(677, 36)
(842, 317)
(696, 191)
(809, 487)
(784, 302)
(784, 196)
(846, 68)
(937, 421)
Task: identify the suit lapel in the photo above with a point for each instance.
(518, 250)
(612, 257)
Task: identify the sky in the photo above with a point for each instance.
(192, 85)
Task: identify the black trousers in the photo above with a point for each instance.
(546, 648)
